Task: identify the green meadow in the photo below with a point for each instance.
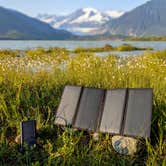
(31, 85)
(108, 47)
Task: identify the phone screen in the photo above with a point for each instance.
(28, 132)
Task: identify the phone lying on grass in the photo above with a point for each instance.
(28, 133)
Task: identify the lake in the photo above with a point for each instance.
(70, 45)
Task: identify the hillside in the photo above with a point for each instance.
(15, 25)
(145, 20)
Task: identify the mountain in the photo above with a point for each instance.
(83, 21)
(114, 13)
(15, 25)
(146, 20)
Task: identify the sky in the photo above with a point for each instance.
(62, 7)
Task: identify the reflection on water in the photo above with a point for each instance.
(121, 53)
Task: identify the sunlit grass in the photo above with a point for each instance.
(108, 47)
(31, 88)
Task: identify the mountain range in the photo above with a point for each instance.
(85, 21)
(15, 25)
(148, 19)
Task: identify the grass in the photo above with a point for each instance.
(31, 88)
(108, 47)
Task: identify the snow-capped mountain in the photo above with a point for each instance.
(84, 21)
(114, 13)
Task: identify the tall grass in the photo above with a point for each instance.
(31, 88)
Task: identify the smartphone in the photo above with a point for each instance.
(28, 133)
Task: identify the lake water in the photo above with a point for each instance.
(70, 45)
